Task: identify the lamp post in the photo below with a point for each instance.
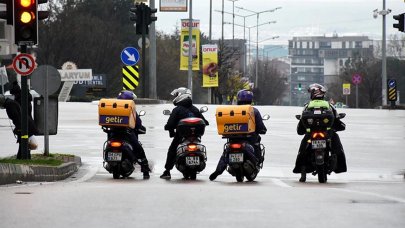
(257, 34)
(233, 20)
(383, 12)
(244, 34)
(270, 22)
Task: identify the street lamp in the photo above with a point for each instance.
(257, 34)
(233, 19)
(270, 22)
(383, 12)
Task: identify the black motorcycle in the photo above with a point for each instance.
(191, 155)
(240, 156)
(318, 157)
(118, 155)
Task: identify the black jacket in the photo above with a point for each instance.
(184, 109)
(13, 110)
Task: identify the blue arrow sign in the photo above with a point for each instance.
(130, 56)
(391, 83)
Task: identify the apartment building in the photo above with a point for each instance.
(319, 59)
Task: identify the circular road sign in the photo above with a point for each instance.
(147, 42)
(24, 64)
(356, 79)
(43, 73)
(130, 56)
(392, 83)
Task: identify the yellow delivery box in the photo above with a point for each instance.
(116, 113)
(235, 119)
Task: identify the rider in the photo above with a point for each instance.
(184, 109)
(245, 97)
(13, 110)
(138, 149)
(318, 92)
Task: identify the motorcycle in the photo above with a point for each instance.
(191, 155)
(319, 158)
(117, 151)
(240, 156)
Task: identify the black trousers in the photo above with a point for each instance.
(171, 153)
(337, 148)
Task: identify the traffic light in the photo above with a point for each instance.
(136, 14)
(299, 87)
(148, 15)
(25, 22)
(401, 24)
(8, 14)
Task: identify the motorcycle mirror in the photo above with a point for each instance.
(203, 109)
(166, 112)
(266, 117)
(298, 117)
(342, 115)
(142, 113)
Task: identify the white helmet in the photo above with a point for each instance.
(180, 94)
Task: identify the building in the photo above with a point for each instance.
(319, 59)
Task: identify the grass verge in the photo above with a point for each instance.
(38, 159)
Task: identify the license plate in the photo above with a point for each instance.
(236, 158)
(318, 144)
(114, 156)
(192, 160)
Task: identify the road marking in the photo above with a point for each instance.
(280, 183)
(399, 200)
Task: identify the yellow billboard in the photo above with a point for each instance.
(184, 44)
(210, 65)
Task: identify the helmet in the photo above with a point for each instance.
(317, 91)
(126, 95)
(180, 94)
(244, 96)
(2, 100)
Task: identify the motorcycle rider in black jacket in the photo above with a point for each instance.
(317, 92)
(184, 109)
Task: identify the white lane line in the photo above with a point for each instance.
(399, 200)
(280, 183)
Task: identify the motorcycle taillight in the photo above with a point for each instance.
(192, 147)
(318, 135)
(235, 145)
(115, 144)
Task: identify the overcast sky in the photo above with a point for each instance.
(295, 18)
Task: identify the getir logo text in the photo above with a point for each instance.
(235, 127)
(114, 120)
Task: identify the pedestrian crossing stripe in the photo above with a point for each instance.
(130, 77)
(392, 94)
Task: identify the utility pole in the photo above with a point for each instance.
(152, 59)
(190, 49)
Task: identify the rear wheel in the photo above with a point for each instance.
(116, 174)
(239, 176)
(320, 169)
(193, 175)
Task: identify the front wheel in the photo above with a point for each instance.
(116, 174)
(320, 169)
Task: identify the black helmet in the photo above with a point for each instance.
(317, 91)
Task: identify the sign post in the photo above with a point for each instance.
(392, 91)
(356, 79)
(346, 91)
(24, 64)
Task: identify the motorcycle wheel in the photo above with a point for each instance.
(193, 175)
(116, 174)
(239, 176)
(185, 175)
(127, 174)
(320, 169)
(251, 178)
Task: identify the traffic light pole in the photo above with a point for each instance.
(24, 152)
(145, 84)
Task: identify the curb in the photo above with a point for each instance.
(10, 173)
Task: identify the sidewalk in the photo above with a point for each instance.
(10, 173)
